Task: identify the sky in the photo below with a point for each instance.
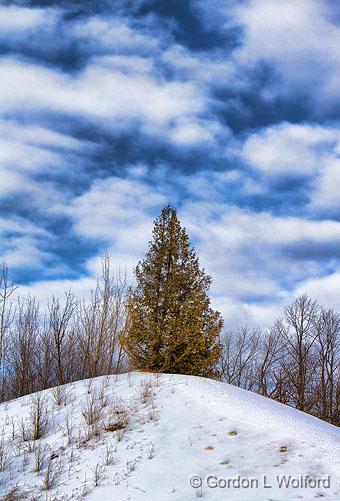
(228, 110)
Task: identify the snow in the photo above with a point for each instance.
(179, 427)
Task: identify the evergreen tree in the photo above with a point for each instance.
(170, 324)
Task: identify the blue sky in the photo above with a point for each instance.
(227, 109)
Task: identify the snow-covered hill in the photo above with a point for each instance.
(153, 436)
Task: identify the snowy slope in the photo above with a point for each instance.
(179, 428)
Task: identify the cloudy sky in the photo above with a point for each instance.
(227, 109)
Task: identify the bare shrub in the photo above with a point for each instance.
(38, 416)
(97, 474)
(109, 455)
(24, 431)
(153, 414)
(119, 434)
(15, 493)
(29, 446)
(71, 455)
(87, 433)
(117, 417)
(41, 453)
(130, 467)
(86, 489)
(91, 431)
(52, 474)
(103, 396)
(150, 451)
(24, 462)
(69, 429)
(146, 392)
(13, 422)
(80, 441)
(5, 454)
(59, 395)
(23, 439)
(92, 413)
(156, 379)
(89, 386)
(91, 410)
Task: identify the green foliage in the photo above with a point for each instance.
(171, 326)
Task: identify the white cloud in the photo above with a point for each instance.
(112, 34)
(208, 69)
(38, 136)
(326, 289)
(11, 182)
(325, 197)
(190, 131)
(237, 313)
(15, 20)
(98, 93)
(23, 251)
(117, 211)
(130, 64)
(13, 152)
(298, 40)
(21, 243)
(251, 257)
(26, 150)
(303, 150)
(286, 149)
(43, 290)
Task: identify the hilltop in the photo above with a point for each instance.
(140, 436)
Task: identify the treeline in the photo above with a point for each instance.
(166, 324)
(72, 339)
(296, 362)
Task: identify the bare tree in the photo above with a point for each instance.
(45, 360)
(328, 365)
(23, 347)
(270, 354)
(239, 351)
(6, 316)
(101, 321)
(60, 317)
(299, 334)
(296, 362)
